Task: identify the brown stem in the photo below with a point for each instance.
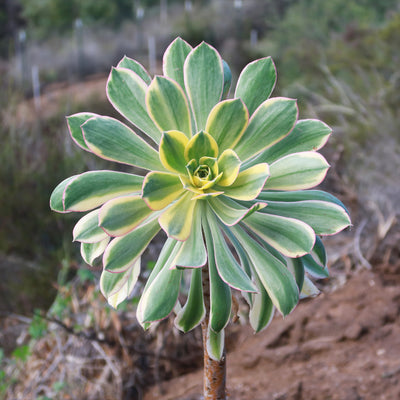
(214, 371)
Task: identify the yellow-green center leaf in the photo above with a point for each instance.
(160, 189)
(168, 106)
(229, 165)
(123, 214)
(249, 183)
(201, 145)
(172, 151)
(227, 122)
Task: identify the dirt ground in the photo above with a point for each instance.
(343, 345)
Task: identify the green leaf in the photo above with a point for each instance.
(270, 123)
(227, 79)
(220, 293)
(74, 123)
(160, 189)
(123, 214)
(174, 59)
(167, 105)
(296, 267)
(124, 251)
(204, 81)
(249, 183)
(229, 165)
(87, 229)
(57, 197)
(300, 195)
(256, 82)
(228, 268)
(172, 151)
(160, 297)
(116, 287)
(325, 218)
(275, 277)
(90, 251)
(291, 237)
(226, 123)
(307, 135)
(111, 139)
(201, 145)
(193, 311)
(313, 267)
(297, 171)
(262, 309)
(92, 189)
(215, 343)
(177, 219)
(136, 67)
(319, 252)
(127, 93)
(193, 251)
(229, 211)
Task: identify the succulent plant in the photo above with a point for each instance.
(227, 180)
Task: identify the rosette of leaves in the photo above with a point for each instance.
(228, 181)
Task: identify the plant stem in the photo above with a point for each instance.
(214, 371)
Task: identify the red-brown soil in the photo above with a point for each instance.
(343, 345)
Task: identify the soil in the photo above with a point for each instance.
(342, 345)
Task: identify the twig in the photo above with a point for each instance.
(365, 263)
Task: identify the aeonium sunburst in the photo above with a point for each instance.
(227, 179)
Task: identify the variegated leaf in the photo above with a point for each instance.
(271, 122)
(275, 277)
(167, 105)
(124, 251)
(123, 214)
(111, 139)
(92, 189)
(204, 81)
(87, 229)
(291, 237)
(256, 82)
(127, 93)
(227, 122)
(297, 171)
(193, 311)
